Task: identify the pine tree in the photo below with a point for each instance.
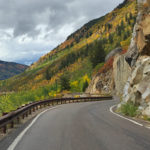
(97, 54)
(48, 74)
(65, 82)
(85, 85)
(131, 16)
(111, 38)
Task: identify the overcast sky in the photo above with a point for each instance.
(31, 28)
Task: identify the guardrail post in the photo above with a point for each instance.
(48, 103)
(52, 103)
(33, 109)
(44, 104)
(30, 111)
(5, 129)
(37, 107)
(23, 116)
(40, 106)
(26, 114)
(12, 124)
(18, 120)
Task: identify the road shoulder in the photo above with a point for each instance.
(134, 120)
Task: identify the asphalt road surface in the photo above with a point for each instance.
(83, 126)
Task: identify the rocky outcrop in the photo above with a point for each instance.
(101, 84)
(140, 43)
(137, 78)
(138, 82)
(121, 71)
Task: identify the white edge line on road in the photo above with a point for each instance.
(20, 136)
(111, 110)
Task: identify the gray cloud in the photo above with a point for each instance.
(28, 26)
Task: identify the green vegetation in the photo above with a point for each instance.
(129, 109)
(97, 55)
(65, 82)
(10, 102)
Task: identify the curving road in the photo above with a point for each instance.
(83, 126)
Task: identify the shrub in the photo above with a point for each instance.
(129, 109)
(107, 66)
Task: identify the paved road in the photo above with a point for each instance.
(84, 126)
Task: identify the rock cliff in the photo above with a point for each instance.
(102, 82)
(129, 76)
(133, 68)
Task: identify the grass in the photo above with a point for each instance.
(129, 109)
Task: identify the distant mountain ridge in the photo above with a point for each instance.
(9, 69)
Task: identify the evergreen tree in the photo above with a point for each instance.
(111, 38)
(85, 85)
(118, 44)
(125, 36)
(126, 17)
(65, 82)
(71, 45)
(97, 54)
(119, 30)
(122, 25)
(48, 74)
(131, 16)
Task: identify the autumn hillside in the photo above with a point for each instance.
(80, 55)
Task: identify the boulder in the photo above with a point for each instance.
(137, 75)
(146, 111)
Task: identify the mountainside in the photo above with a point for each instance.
(82, 53)
(9, 69)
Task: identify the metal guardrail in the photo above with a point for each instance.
(8, 120)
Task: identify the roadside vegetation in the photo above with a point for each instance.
(12, 101)
(129, 109)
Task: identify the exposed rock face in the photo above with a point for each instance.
(138, 89)
(121, 71)
(137, 84)
(101, 83)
